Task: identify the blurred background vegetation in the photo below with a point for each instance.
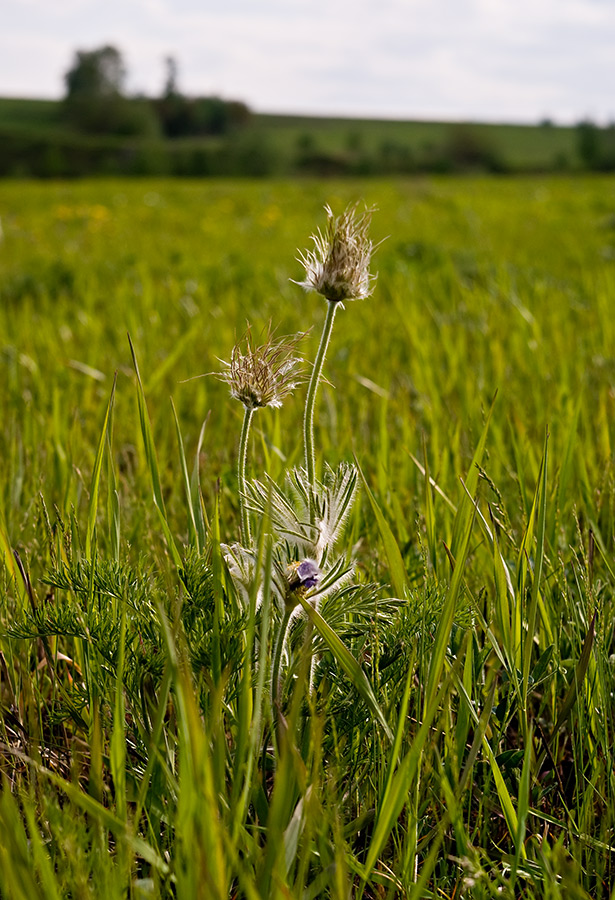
(99, 129)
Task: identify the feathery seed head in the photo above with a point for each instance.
(338, 265)
(263, 375)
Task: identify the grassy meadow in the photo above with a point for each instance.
(440, 724)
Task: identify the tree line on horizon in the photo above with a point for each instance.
(101, 129)
(96, 102)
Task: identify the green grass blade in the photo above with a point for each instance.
(200, 516)
(465, 510)
(579, 676)
(523, 806)
(510, 814)
(399, 786)
(99, 813)
(504, 597)
(399, 732)
(430, 518)
(445, 624)
(541, 502)
(118, 737)
(113, 502)
(192, 526)
(565, 472)
(399, 576)
(95, 482)
(152, 462)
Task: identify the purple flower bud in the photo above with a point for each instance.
(302, 576)
(308, 573)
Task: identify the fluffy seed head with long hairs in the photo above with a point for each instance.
(338, 265)
(266, 374)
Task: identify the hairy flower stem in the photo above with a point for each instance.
(241, 475)
(308, 422)
(276, 694)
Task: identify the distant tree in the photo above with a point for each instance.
(588, 143)
(170, 85)
(95, 74)
(608, 148)
(596, 146)
(95, 101)
(182, 116)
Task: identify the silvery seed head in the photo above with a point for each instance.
(263, 375)
(338, 266)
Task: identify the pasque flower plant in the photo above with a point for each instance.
(306, 514)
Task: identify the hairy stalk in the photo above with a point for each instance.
(241, 474)
(308, 422)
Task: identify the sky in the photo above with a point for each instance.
(480, 60)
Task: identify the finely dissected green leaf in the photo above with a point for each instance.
(347, 661)
(95, 482)
(399, 576)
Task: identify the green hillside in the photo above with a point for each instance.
(521, 146)
(35, 140)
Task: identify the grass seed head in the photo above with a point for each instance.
(266, 374)
(338, 265)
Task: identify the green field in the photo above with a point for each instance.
(445, 726)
